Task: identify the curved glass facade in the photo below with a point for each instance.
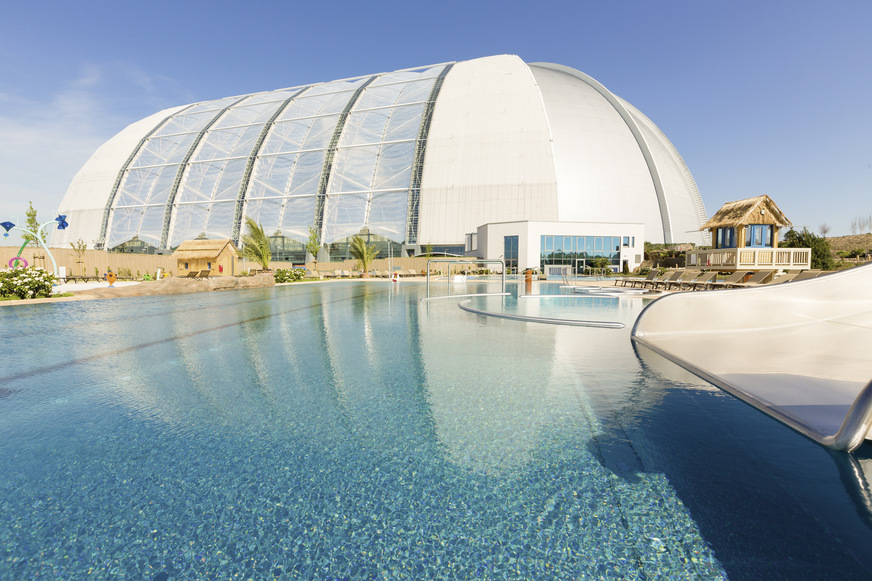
(339, 156)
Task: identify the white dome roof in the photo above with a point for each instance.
(421, 156)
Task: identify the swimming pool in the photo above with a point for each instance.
(349, 430)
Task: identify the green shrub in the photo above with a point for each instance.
(26, 283)
(821, 255)
(289, 274)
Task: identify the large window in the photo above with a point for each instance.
(510, 252)
(580, 251)
(726, 238)
(758, 236)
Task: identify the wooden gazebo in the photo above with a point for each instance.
(745, 236)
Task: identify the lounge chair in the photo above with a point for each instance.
(807, 274)
(204, 274)
(192, 274)
(731, 281)
(673, 276)
(626, 281)
(703, 281)
(758, 278)
(786, 277)
(678, 283)
(650, 282)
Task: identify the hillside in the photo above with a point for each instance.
(848, 243)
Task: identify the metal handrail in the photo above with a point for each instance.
(451, 261)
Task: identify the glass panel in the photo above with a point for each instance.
(404, 123)
(212, 181)
(211, 106)
(264, 212)
(227, 187)
(375, 96)
(279, 96)
(343, 216)
(299, 215)
(219, 220)
(387, 215)
(136, 186)
(199, 180)
(189, 223)
(364, 127)
(415, 92)
(227, 143)
(307, 174)
(124, 225)
(408, 76)
(353, 169)
(165, 150)
(151, 224)
(149, 186)
(270, 175)
(394, 166)
(187, 123)
(302, 134)
(248, 115)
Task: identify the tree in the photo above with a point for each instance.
(313, 244)
(821, 254)
(33, 226)
(824, 229)
(362, 252)
(79, 247)
(255, 244)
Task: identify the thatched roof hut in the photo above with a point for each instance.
(756, 210)
(218, 256)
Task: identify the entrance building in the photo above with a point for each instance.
(545, 246)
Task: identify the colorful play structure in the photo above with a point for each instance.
(60, 221)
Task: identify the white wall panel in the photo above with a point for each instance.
(488, 153)
(601, 172)
(686, 210)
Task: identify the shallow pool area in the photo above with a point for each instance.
(348, 430)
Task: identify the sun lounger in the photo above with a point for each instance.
(192, 274)
(703, 281)
(684, 277)
(649, 281)
(203, 274)
(807, 274)
(786, 277)
(625, 281)
(666, 279)
(758, 278)
(731, 281)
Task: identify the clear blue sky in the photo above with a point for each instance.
(759, 97)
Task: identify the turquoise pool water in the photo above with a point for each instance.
(349, 431)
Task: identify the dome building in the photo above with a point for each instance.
(536, 163)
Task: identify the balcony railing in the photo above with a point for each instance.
(750, 258)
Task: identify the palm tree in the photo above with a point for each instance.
(255, 244)
(363, 253)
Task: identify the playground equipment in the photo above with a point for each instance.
(60, 221)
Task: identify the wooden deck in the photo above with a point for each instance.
(726, 259)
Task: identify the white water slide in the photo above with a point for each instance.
(798, 351)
